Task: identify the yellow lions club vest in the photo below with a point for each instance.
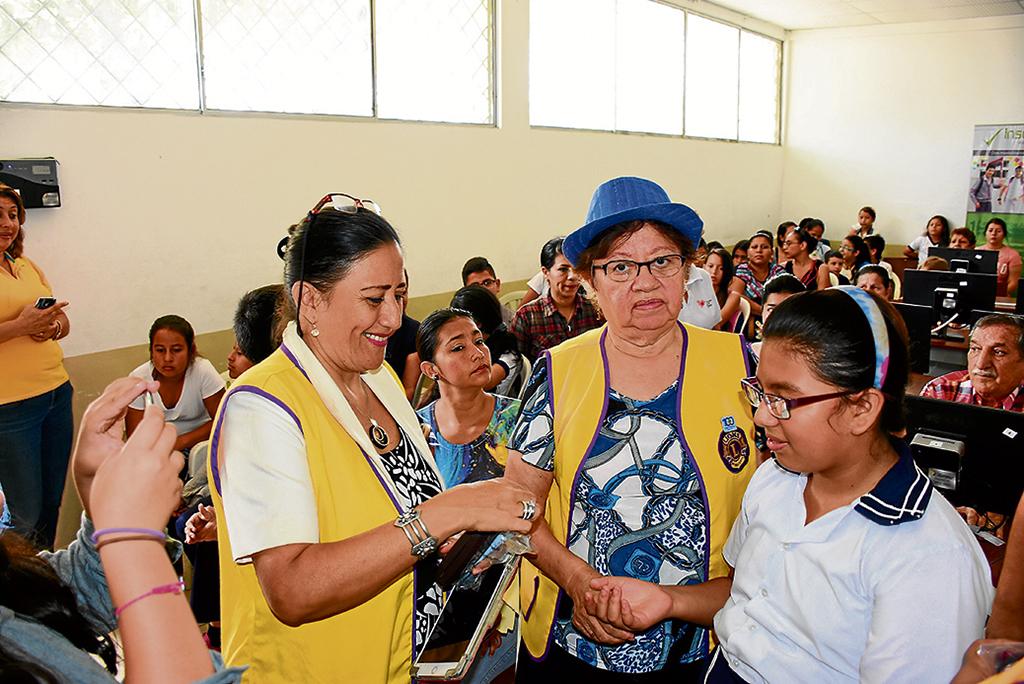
(370, 643)
(715, 423)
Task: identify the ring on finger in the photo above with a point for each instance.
(529, 509)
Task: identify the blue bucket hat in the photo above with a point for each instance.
(631, 199)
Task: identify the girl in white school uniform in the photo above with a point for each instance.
(848, 566)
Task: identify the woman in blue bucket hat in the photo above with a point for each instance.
(639, 439)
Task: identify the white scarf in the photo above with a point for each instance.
(386, 388)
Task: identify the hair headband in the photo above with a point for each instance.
(879, 331)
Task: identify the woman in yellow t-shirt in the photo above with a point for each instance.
(35, 395)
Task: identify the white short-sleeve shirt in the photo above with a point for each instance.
(202, 381)
(265, 483)
(921, 244)
(701, 307)
(891, 588)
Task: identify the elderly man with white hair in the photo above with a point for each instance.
(995, 367)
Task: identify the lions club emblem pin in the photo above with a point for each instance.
(733, 446)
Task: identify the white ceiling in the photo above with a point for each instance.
(811, 14)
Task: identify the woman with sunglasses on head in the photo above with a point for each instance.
(637, 438)
(331, 507)
(848, 566)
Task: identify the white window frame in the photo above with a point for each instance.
(686, 22)
(493, 18)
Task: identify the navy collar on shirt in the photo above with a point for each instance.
(901, 495)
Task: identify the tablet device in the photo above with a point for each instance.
(468, 614)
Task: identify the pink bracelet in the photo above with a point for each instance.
(175, 588)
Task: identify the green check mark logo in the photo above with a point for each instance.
(994, 135)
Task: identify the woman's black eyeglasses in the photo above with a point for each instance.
(779, 406)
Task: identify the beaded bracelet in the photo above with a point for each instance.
(155, 534)
(174, 588)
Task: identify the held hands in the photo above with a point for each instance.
(139, 485)
(39, 323)
(628, 603)
(587, 615)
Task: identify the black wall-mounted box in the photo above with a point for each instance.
(34, 179)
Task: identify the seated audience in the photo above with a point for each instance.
(962, 238)
(506, 361)
(855, 254)
(876, 249)
(190, 387)
(401, 350)
(558, 315)
(739, 253)
(936, 234)
(700, 304)
(478, 271)
(874, 279)
(719, 266)
(995, 367)
(865, 223)
(777, 290)
(1008, 272)
(934, 263)
(758, 269)
(797, 246)
(57, 610)
(848, 566)
(834, 262)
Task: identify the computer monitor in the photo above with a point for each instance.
(977, 260)
(989, 475)
(972, 290)
(919, 321)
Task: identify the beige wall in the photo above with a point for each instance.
(885, 116)
(181, 212)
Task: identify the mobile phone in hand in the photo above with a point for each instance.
(45, 302)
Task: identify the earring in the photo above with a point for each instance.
(315, 332)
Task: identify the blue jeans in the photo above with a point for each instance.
(35, 446)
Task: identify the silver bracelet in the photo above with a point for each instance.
(416, 532)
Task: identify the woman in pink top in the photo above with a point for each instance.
(1009, 258)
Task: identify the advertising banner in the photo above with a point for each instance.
(996, 185)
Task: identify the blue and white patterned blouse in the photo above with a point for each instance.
(639, 512)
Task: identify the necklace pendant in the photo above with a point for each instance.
(378, 435)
